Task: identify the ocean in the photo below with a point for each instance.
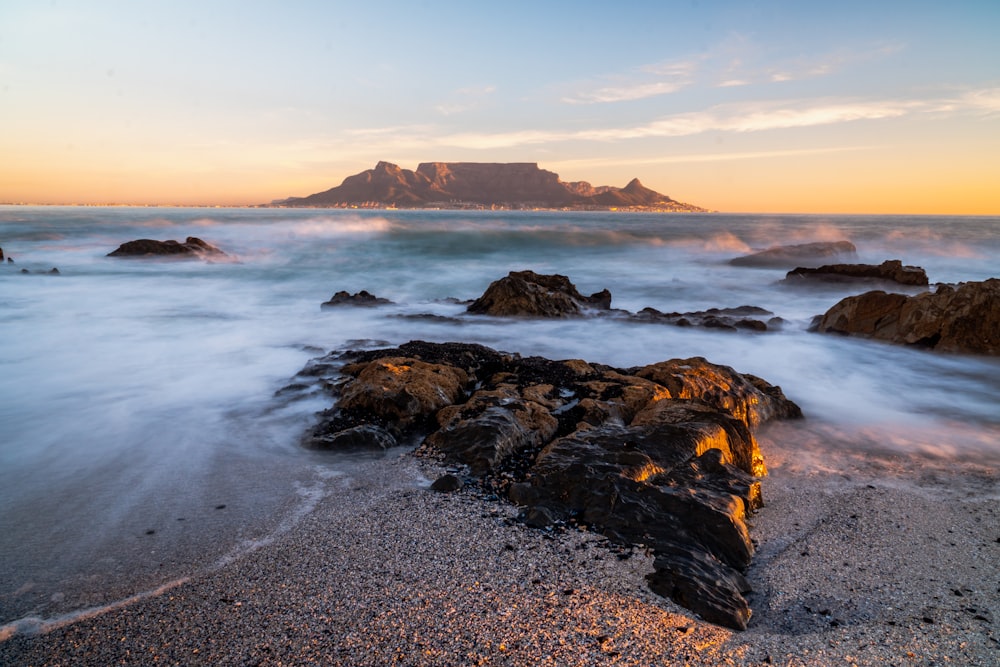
(144, 439)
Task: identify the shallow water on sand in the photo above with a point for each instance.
(141, 438)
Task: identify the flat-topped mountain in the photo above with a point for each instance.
(481, 185)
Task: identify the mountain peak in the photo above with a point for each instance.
(480, 185)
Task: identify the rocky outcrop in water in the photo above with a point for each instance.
(892, 270)
(959, 318)
(192, 246)
(530, 294)
(728, 319)
(661, 455)
(457, 184)
(796, 255)
(362, 298)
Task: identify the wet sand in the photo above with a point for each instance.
(880, 560)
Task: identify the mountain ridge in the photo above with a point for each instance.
(481, 185)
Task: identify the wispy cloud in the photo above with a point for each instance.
(706, 157)
(737, 117)
(625, 93)
(465, 99)
(987, 100)
(642, 82)
(733, 62)
(820, 65)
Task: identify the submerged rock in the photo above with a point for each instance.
(362, 298)
(661, 455)
(785, 255)
(530, 294)
(192, 246)
(891, 270)
(729, 319)
(961, 318)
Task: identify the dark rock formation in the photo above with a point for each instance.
(961, 318)
(529, 294)
(192, 246)
(727, 319)
(661, 455)
(1, 254)
(447, 483)
(796, 255)
(51, 272)
(362, 298)
(891, 270)
(514, 185)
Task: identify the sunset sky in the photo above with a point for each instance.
(836, 107)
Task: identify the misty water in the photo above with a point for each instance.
(142, 439)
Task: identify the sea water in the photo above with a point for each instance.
(143, 436)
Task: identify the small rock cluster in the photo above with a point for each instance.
(533, 295)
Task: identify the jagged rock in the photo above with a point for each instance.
(962, 318)
(778, 256)
(192, 246)
(362, 298)
(891, 270)
(529, 294)
(403, 389)
(1, 254)
(661, 455)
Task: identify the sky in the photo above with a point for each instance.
(881, 106)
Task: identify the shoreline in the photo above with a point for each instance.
(875, 562)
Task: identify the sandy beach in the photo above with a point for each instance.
(885, 560)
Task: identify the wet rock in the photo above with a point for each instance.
(529, 294)
(400, 395)
(796, 255)
(730, 319)
(891, 270)
(447, 483)
(362, 437)
(961, 318)
(404, 390)
(192, 246)
(362, 298)
(1, 254)
(661, 455)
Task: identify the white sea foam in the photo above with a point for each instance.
(135, 394)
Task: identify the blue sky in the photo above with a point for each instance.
(740, 106)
